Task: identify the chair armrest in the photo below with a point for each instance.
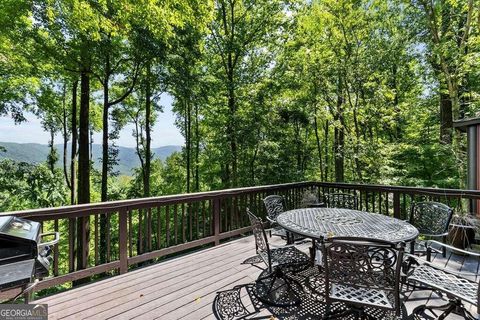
(271, 220)
(469, 253)
(435, 235)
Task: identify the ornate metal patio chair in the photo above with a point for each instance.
(274, 286)
(363, 274)
(236, 303)
(342, 200)
(459, 287)
(432, 220)
(275, 205)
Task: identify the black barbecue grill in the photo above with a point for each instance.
(24, 258)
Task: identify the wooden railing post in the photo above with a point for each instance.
(396, 205)
(123, 240)
(216, 220)
(72, 225)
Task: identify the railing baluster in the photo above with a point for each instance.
(149, 229)
(223, 216)
(95, 238)
(108, 237)
(71, 243)
(212, 217)
(396, 205)
(122, 240)
(367, 198)
(175, 223)
(55, 251)
(159, 228)
(140, 231)
(190, 222)
(197, 223)
(373, 201)
(183, 224)
(130, 233)
(387, 204)
(167, 226)
(216, 220)
(204, 223)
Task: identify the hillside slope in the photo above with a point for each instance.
(36, 153)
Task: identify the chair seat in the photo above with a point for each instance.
(365, 296)
(287, 256)
(450, 283)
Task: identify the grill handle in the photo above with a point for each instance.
(52, 242)
(27, 292)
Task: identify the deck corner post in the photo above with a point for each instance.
(123, 242)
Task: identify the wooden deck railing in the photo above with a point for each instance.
(141, 230)
(395, 201)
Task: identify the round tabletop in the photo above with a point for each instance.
(337, 222)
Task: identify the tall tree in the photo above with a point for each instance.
(449, 25)
(240, 31)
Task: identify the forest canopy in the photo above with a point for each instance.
(264, 92)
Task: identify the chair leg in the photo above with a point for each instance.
(444, 249)
(274, 276)
(453, 305)
(312, 253)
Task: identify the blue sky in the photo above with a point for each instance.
(164, 132)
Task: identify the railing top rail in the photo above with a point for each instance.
(111, 206)
(403, 189)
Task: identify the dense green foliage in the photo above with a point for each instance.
(264, 91)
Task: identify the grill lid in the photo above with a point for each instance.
(18, 239)
(13, 227)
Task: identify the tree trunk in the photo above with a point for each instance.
(327, 158)
(188, 141)
(73, 157)
(197, 150)
(104, 191)
(358, 165)
(232, 134)
(83, 226)
(65, 139)
(148, 107)
(105, 162)
(319, 147)
(51, 159)
(72, 222)
(339, 135)
(446, 118)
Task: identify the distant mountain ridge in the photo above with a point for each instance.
(36, 153)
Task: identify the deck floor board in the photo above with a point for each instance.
(186, 286)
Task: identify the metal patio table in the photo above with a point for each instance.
(336, 222)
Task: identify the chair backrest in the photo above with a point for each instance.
(261, 240)
(363, 263)
(342, 200)
(431, 218)
(275, 205)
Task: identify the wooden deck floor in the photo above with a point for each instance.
(184, 287)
